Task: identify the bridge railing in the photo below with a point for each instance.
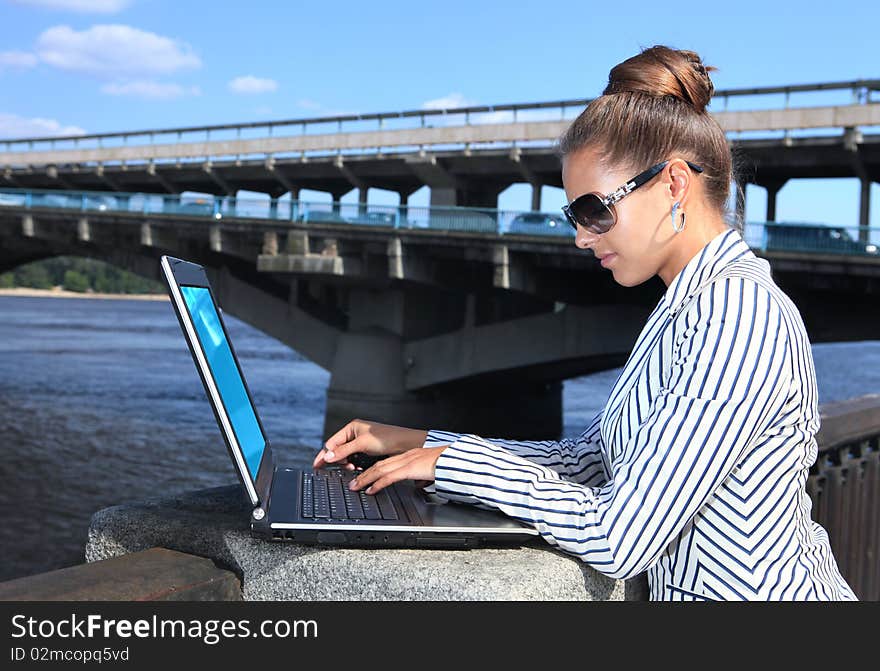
(861, 92)
(478, 220)
(768, 236)
(810, 237)
(844, 486)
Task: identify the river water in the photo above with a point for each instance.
(100, 403)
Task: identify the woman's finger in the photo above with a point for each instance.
(385, 480)
(370, 475)
(390, 470)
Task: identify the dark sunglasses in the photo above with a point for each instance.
(595, 211)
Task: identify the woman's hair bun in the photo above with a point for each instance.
(661, 71)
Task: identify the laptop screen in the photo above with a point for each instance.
(226, 374)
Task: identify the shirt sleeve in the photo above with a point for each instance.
(578, 459)
(728, 379)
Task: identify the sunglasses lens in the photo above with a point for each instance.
(591, 213)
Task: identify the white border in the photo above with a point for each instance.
(206, 371)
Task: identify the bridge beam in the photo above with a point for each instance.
(157, 236)
(376, 392)
(52, 173)
(7, 175)
(281, 177)
(99, 171)
(409, 267)
(569, 335)
(355, 181)
(218, 179)
(430, 171)
(282, 319)
(529, 176)
(510, 272)
(156, 175)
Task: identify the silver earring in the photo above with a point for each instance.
(677, 229)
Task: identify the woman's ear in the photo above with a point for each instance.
(679, 180)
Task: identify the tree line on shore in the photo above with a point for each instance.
(78, 274)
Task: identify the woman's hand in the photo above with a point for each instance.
(411, 465)
(371, 438)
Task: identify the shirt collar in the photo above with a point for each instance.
(719, 252)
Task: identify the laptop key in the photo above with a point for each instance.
(308, 500)
(371, 508)
(322, 499)
(353, 504)
(385, 505)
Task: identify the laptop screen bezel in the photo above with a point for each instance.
(180, 273)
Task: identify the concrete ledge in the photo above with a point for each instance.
(213, 523)
(848, 421)
(156, 574)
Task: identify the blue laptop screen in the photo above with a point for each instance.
(227, 375)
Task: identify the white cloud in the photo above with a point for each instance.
(81, 6)
(451, 101)
(249, 84)
(150, 90)
(20, 60)
(114, 50)
(12, 126)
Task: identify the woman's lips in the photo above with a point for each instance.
(607, 259)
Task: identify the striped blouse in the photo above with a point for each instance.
(695, 469)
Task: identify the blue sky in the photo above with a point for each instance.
(112, 65)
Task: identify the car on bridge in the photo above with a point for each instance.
(539, 223)
(12, 199)
(79, 201)
(462, 220)
(322, 216)
(197, 207)
(374, 219)
(816, 238)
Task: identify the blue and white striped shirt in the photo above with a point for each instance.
(695, 470)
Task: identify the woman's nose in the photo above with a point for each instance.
(583, 238)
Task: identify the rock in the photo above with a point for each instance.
(213, 523)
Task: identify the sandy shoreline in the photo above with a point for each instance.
(58, 292)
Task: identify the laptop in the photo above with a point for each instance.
(313, 506)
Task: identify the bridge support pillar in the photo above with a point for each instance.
(368, 382)
(443, 197)
(479, 195)
(864, 208)
(772, 190)
(273, 208)
(83, 230)
(536, 197)
(336, 204)
(362, 200)
(369, 371)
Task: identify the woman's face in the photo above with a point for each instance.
(639, 240)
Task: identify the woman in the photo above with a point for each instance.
(695, 469)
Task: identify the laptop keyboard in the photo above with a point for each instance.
(325, 495)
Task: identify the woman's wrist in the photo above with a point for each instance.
(418, 439)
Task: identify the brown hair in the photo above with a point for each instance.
(654, 107)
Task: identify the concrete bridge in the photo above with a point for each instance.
(471, 331)
(467, 156)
